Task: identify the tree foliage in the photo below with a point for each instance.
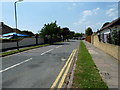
(115, 37)
(78, 35)
(88, 31)
(51, 33)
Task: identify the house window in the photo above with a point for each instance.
(102, 39)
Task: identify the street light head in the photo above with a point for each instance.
(20, 0)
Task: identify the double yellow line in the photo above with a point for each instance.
(67, 66)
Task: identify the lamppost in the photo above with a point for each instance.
(16, 19)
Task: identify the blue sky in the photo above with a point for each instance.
(75, 15)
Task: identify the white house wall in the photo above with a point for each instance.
(105, 31)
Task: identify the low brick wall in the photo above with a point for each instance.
(111, 49)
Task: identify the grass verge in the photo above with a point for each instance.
(86, 74)
(21, 50)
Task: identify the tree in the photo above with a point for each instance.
(65, 32)
(50, 32)
(115, 37)
(78, 35)
(71, 35)
(88, 31)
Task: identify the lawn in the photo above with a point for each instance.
(86, 74)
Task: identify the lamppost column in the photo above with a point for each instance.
(16, 23)
(15, 14)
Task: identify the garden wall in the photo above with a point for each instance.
(22, 43)
(111, 49)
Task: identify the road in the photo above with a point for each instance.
(36, 68)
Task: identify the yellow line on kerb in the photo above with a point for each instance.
(58, 77)
(65, 74)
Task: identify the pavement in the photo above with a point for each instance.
(36, 68)
(106, 64)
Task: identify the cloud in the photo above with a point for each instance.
(111, 12)
(95, 10)
(85, 22)
(90, 12)
(86, 14)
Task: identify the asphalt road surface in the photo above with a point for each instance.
(36, 68)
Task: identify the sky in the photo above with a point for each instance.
(77, 16)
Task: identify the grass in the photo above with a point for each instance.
(86, 74)
(21, 50)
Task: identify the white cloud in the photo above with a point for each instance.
(90, 12)
(86, 14)
(111, 12)
(95, 10)
(85, 22)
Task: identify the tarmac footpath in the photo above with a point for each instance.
(107, 66)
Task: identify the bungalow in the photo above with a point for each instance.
(5, 29)
(106, 32)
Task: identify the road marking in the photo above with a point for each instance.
(19, 53)
(22, 52)
(65, 74)
(47, 51)
(15, 65)
(58, 46)
(58, 77)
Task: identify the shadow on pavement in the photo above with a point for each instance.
(61, 44)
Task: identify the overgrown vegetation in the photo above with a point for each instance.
(86, 74)
(114, 38)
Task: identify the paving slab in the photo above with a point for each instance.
(106, 64)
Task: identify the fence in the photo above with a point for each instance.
(22, 43)
(88, 38)
(111, 49)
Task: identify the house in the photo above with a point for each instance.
(5, 29)
(106, 32)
